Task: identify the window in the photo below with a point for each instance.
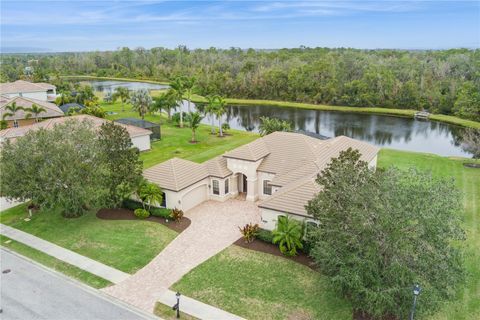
(164, 200)
(227, 186)
(216, 187)
(267, 188)
(15, 123)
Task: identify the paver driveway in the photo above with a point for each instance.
(214, 227)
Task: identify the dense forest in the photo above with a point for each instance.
(441, 81)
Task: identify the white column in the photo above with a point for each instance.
(252, 189)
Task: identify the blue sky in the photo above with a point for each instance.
(103, 25)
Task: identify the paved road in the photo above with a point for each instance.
(30, 291)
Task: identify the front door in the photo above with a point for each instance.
(245, 183)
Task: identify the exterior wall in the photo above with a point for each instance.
(176, 199)
(261, 177)
(222, 196)
(373, 164)
(248, 168)
(21, 122)
(39, 95)
(269, 218)
(142, 142)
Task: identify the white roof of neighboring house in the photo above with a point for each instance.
(51, 109)
(24, 86)
(12, 133)
(294, 158)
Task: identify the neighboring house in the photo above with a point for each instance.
(140, 137)
(67, 106)
(21, 88)
(22, 117)
(277, 171)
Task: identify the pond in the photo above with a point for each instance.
(110, 85)
(384, 131)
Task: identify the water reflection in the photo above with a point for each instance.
(384, 131)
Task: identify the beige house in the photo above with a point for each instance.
(277, 172)
(140, 137)
(34, 90)
(22, 117)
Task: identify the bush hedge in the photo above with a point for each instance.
(141, 213)
(264, 235)
(157, 212)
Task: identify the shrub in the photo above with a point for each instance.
(131, 204)
(249, 231)
(264, 235)
(176, 117)
(177, 214)
(225, 127)
(141, 213)
(288, 235)
(161, 212)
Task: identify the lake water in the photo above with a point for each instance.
(109, 86)
(384, 131)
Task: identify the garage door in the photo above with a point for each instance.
(194, 197)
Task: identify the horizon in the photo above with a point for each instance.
(83, 26)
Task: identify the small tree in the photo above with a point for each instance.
(381, 232)
(12, 109)
(178, 91)
(150, 194)
(471, 142)
(210, 110)
(141, 102)
(189, 87)
(288, 235)
(220, 110)
(123, 167)
(270, 125)
(165, 102)
(194, 120)
(123, 94)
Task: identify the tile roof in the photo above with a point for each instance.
(293, 198)
(12, 133)
(176, 174)
(252, 151)
(51, 109)
(217, 167)
(24, 86)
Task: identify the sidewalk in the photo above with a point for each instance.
(188, 305)
(75, 259)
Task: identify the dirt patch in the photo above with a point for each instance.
(125, 214)
(261, 246)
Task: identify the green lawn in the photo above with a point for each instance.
(126, 245)
(175, 141)
(53, 263)
(257, 285)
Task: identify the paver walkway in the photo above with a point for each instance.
(214, 227)
(82, 262)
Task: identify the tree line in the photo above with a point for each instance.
(441, 81)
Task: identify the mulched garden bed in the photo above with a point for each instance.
(125, 214)
(262, 246)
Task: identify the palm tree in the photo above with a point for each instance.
(12, 109)
(194, 119)
(141, 101)
(150, 194)
(219, 112)
(35, 110)
(288, 235)
(210, 110)
(178, 91)
(123, 94)
(189, 87)
(165, 102)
